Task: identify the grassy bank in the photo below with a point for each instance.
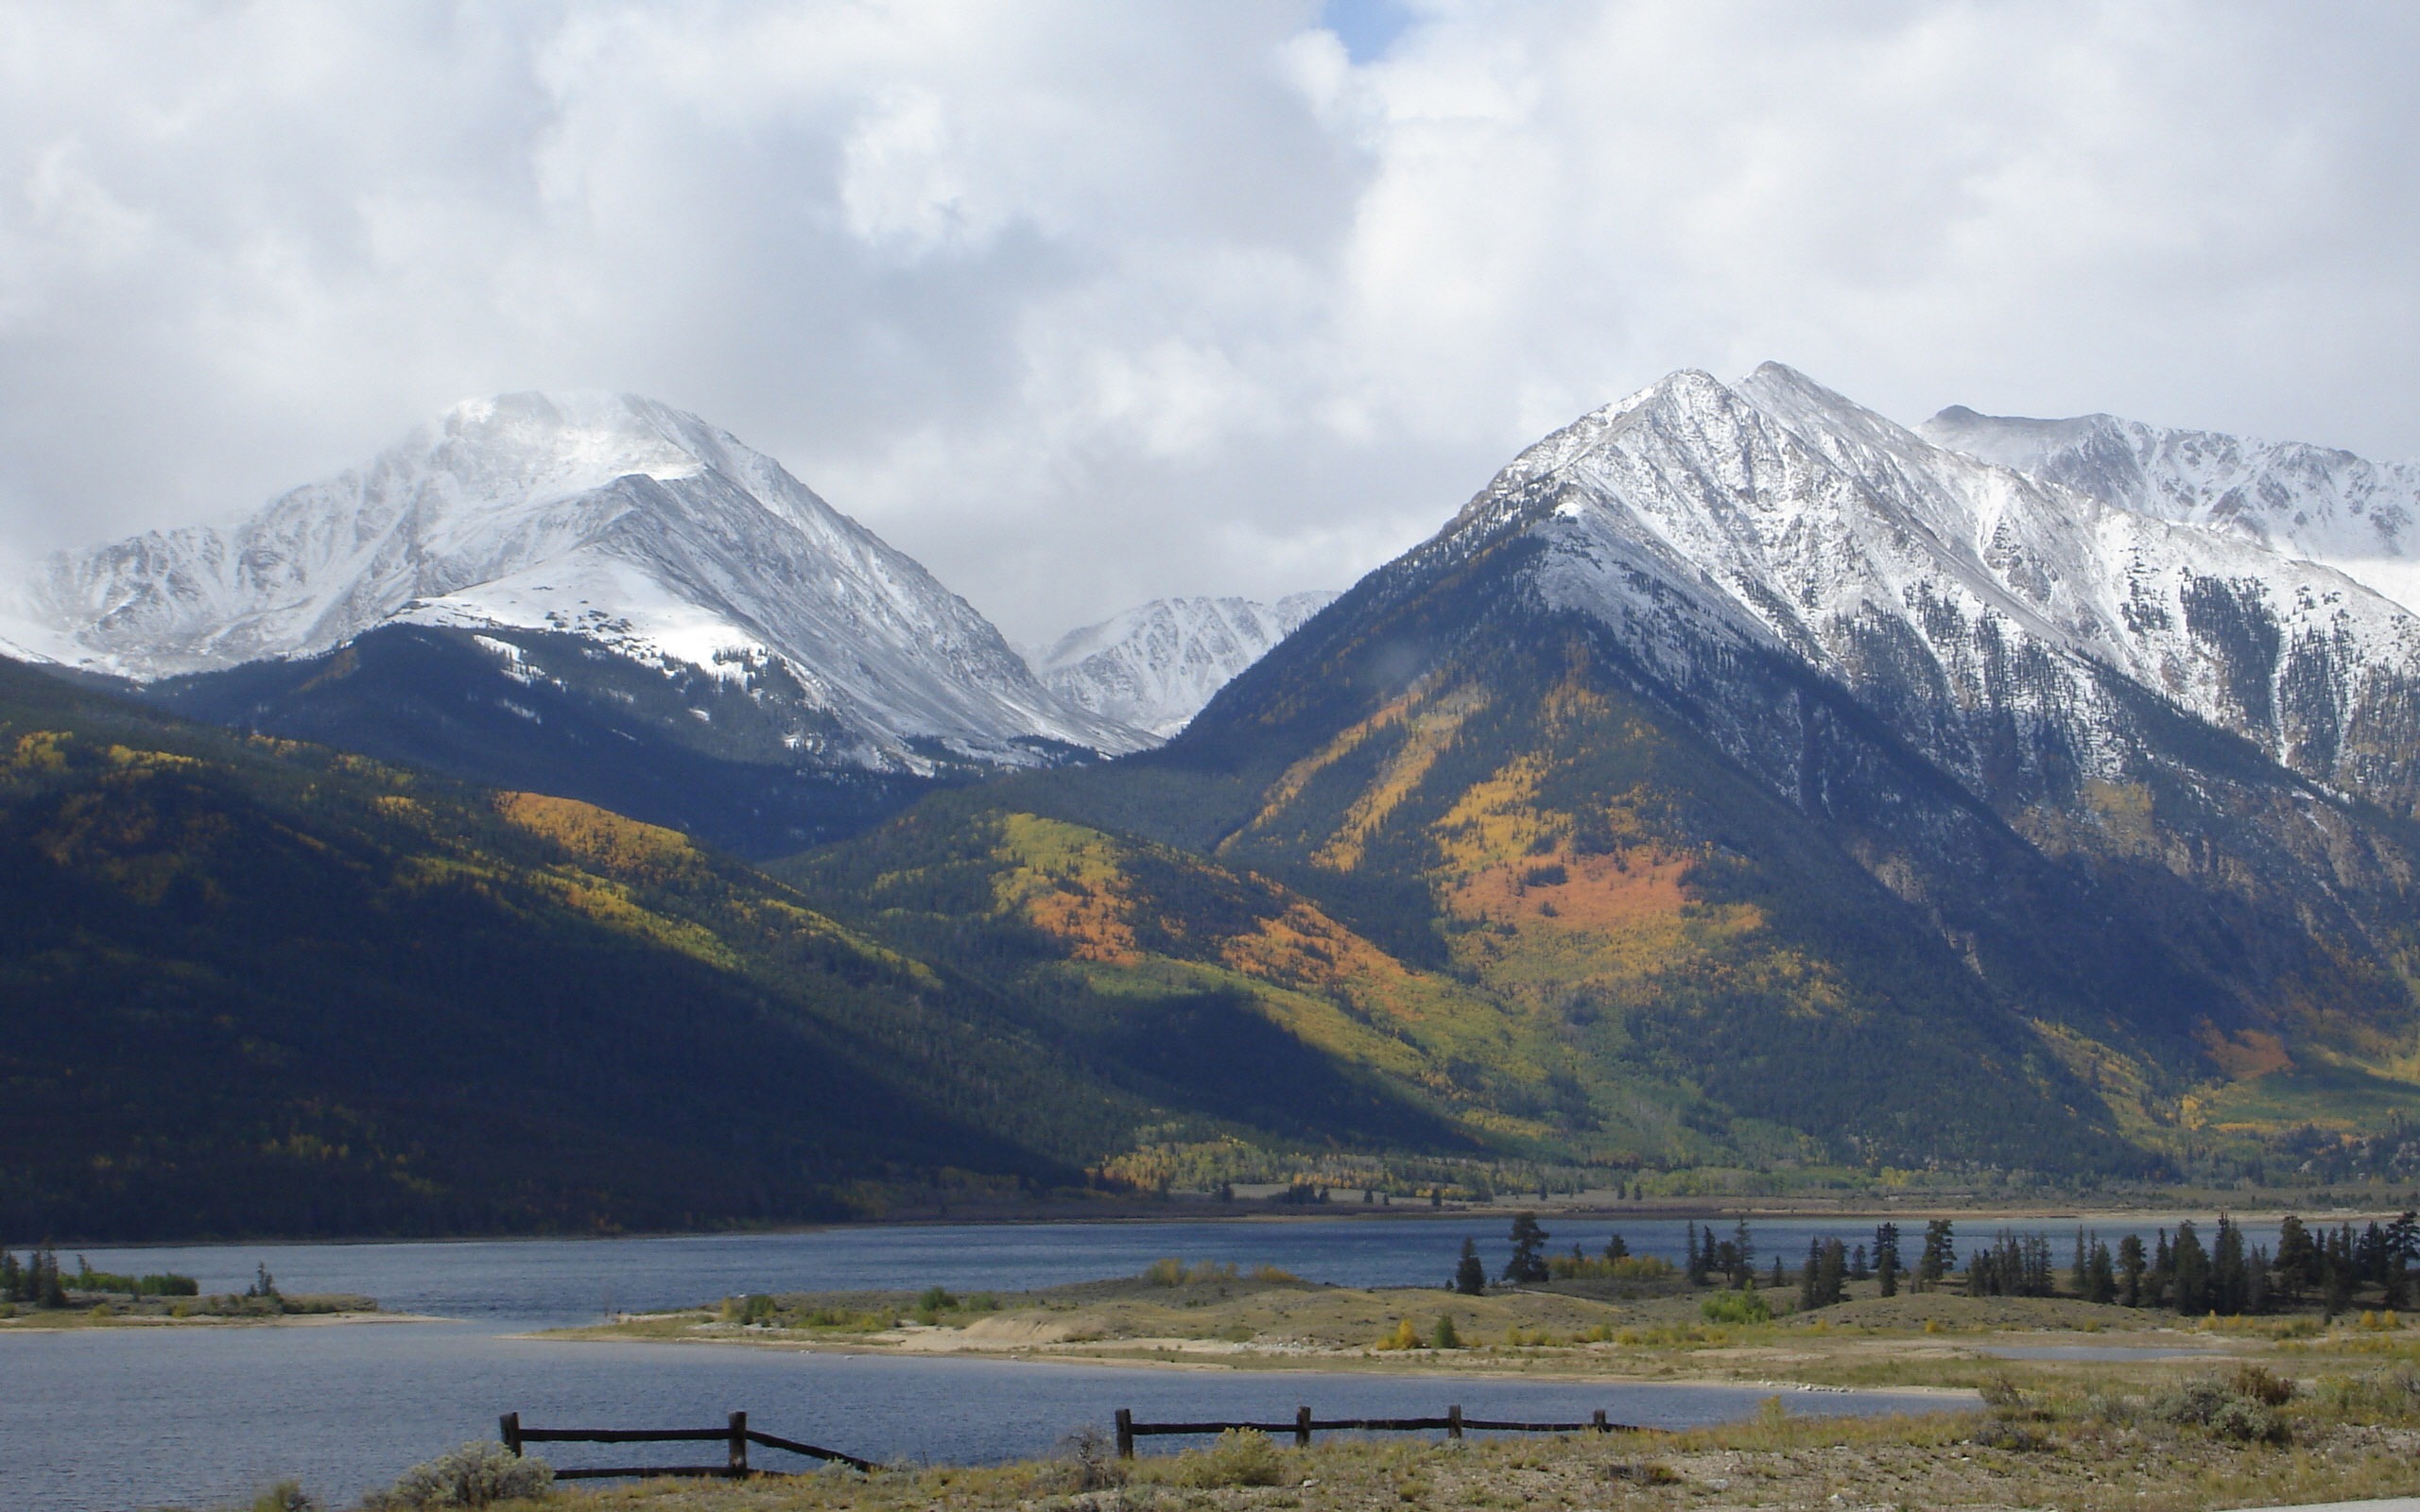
(2222, 1437)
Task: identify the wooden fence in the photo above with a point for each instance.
(1305, 1425)
(735, 1439)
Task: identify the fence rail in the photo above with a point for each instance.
(735, 1437)
(1303, 1425)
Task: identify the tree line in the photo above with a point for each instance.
(2175, 1271)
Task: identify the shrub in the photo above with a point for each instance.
(474, 1476)
(1737, 1307)
(1447, 1336)
(1404, 1337)
(2262, 1385)
(285, 1496)
(1241, 1457)
(1092, 1461)
(1999, 1391)
(1169, 1272)
(2213, 1404)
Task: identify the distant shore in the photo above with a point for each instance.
(2267, 1208)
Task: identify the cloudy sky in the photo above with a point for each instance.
(1086, 302)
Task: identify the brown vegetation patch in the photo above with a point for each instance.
(2251, 1052)
(1590, 892)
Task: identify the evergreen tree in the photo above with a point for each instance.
(2191, 1264)
(1939, 1254)
(11, 1277)
(2099, 1278)
(1615, 1249)
(2230, 1270)
(1694, 1267)
(1831, 1273)
(1527, 1265)
(1469, 1274)
(2402, 1248)
(1744, 1262)
(2132, 1266)
(1807, 1303)
(2297, 1259)
(1886, 1258)
(1859, 1269)
(1778, 1282)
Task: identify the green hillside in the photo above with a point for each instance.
(253, 987)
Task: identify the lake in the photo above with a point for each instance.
(121, 1419)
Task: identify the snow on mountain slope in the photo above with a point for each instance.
(1155, 665)
(2360, 517)
(610, 517)
(1979, 612)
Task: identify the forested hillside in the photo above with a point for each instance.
(253, 987)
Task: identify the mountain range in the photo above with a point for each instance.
(1740, 777)
(1154, 666)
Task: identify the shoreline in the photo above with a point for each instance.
(88, 1324)
(1765, 1210)
(1269, 1364)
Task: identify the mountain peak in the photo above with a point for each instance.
(1155, 665)
(609, 516)
(2316, 503)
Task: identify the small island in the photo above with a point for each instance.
(36, 1292)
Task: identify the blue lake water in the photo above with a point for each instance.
(126, 1419)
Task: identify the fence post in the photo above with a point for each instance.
(1125, 1433)
(739, 1469)
(1454, 1421)
(1598, 1422)
(508, 1429)
(1302, 1427)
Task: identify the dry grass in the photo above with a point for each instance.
(2092, 1452)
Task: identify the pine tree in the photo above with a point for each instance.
(1694, 1267)
(1886, 1258)
(1940, 1253)
(2192, 1270)
(1859, 1269)
(1744, 1263)
(1807, 1275)
(2099, 1282)
(1615, 1249)
(1831, 1273)
(2297, 1259)
(1527, 1265)
(2131, 1269)
(1469, 1274)
(2230, 1269)
(11, 1277)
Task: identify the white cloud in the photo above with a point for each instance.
(1083, 303)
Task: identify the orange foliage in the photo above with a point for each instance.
(1580, 892)
(2251, 1052)
(1092, 921)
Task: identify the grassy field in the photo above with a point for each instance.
(2211, 1438)
(1212, 1316)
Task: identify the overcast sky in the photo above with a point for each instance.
(1084, 304)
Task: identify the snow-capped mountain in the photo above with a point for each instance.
(2326, 506)
(1980, 611)
(1716, 697)
(1155, 665)
(613, 519)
